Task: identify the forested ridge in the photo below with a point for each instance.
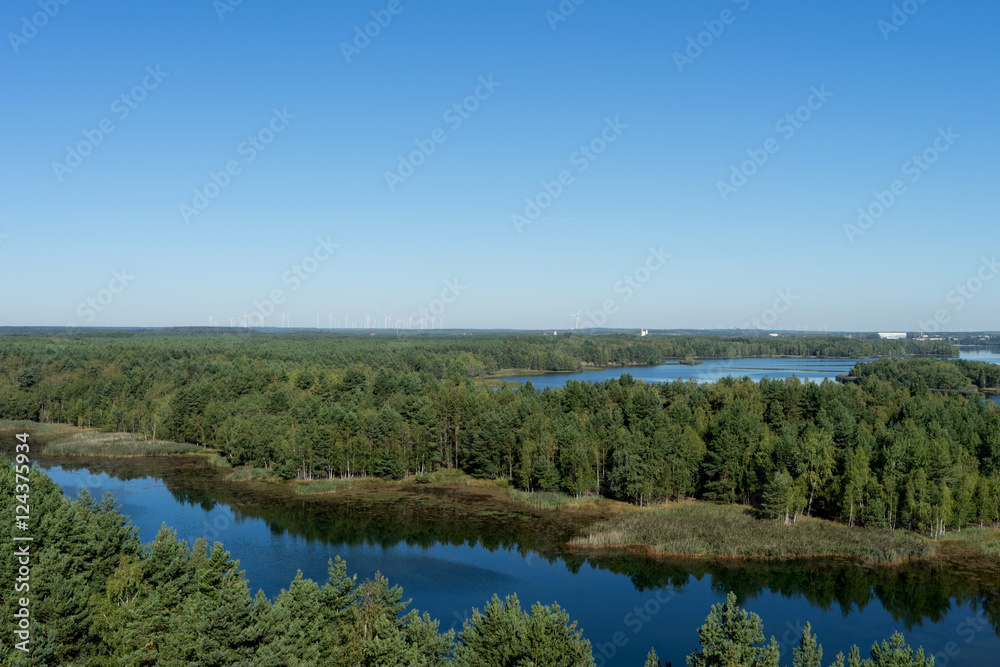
(881, 452)
(96, 596)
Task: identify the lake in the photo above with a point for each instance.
(712, 370)
(449, 563)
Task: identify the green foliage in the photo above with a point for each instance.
(505, 636)
(733, 637)
(326, 407)
(808, 653)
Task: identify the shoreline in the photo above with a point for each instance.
(566, 518)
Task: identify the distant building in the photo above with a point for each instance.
(892, 336)
(773, 335)
(643, 332)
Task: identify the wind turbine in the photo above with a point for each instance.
(577, 316)
(368, 321)
(244, 320)
(410, 325)
(441, 322)
(387, 319)
(317, 320)
(232, 322)
(347, 321)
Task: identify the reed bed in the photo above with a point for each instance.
(322, 485)
(704, 529)
(93, 443)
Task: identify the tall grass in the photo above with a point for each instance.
(986, 540)
(244, 474)
(219, 461)
(92, 443)
(44, 430)
(703, 529)
(322, 485)
(543, 500)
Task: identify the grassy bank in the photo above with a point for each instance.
(43, 432)
(93, 443)
(704, 529)
(984, 540)
(500, 490)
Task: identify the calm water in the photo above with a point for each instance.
(712, 370)
(992, 355)
(447, 564)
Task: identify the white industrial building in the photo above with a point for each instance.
(892, 335)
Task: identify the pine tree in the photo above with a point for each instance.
(730, 638)
(808, 653)
(505, 635)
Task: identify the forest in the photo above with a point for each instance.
(96, 596)
(887, 451)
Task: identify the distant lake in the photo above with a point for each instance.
(988, 354)
(712, 370)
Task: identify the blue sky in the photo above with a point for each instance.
(650, 226)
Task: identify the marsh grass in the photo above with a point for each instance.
(219, 461)
(704, 529)
(93, 443)
(986, 540)
(40, 430)
(322, 485)
(244, 474)
(543, 500)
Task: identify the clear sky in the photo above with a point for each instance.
(649, 163)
